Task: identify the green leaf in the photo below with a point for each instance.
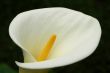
(6, 69)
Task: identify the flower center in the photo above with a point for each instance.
(47, 48)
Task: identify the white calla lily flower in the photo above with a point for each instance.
(77, 36)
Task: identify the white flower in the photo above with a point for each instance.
(77, 36)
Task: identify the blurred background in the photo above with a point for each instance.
(98, 62)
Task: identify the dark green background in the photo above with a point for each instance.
(98, 62)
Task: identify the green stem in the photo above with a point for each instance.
(21, 70)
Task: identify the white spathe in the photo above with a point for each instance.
(77, 34)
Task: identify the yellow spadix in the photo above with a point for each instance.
(47, 48)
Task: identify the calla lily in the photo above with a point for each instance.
(77, 36)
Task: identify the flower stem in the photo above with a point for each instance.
(21, 70)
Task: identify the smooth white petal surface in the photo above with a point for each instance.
(77, 36)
